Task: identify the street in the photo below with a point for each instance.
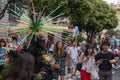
(116, 74)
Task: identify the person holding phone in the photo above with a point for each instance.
(105, 59)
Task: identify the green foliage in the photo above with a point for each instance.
(92, 16)
(80, 38)
(65, 35)
(112, 32)
(39, 77)
(79, 11)
(4, 70)
(51, 5)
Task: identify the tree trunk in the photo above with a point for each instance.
(90, 35)
(2, 13)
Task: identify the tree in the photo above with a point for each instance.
(80, 38)
(23, 2)
(112, 32)
(5, 8)
(47, 6)
(79, 11)
(51, 5)
(90, 15)
(93, 16)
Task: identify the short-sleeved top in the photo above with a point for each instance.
(106, 57)
(117, 42)
(83, 48)
(73, 52)
(3, 51)
(62, 58)
(61, 61)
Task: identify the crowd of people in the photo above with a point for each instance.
(94, 61)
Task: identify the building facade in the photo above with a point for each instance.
(5, 20)
(117, 7)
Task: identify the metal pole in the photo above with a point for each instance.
(76, 38)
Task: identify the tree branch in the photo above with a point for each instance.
(5, 8)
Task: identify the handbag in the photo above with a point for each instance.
(94, 75)
(79, 66)
(56, 66)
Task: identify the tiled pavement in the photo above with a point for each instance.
(68, 77)
(116, 74)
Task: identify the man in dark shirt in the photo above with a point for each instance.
(105, 59)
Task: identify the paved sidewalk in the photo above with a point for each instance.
(68, 76)
(116, 73)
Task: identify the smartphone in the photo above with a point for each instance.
(117, 58)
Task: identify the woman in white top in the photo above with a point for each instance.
(87, 63)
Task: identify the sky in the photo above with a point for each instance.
(112, 1)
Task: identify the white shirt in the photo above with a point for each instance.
(79, 48)
(51, 47)
(73, 53)
(84, 65)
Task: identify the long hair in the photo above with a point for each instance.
(22, 69)
(89, 47)
(56, 49)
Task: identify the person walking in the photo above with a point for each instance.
(60, 59)
(88, 64)
(73, 53)
(104, 60)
